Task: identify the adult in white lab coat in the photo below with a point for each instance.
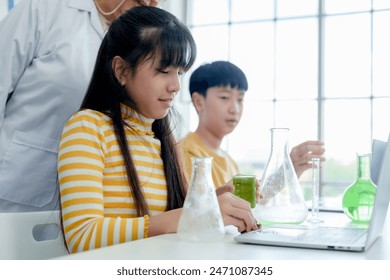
(47, 53)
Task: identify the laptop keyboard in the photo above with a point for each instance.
(332, 235)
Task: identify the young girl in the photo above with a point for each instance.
(119, 172)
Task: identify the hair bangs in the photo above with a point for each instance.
(177, 48)
(233, 80)
(227, 74)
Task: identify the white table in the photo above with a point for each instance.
(169, 247)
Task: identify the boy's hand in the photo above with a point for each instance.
(229, 187)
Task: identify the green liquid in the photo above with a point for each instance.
(358, 199)
(245, 187)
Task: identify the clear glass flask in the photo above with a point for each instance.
(358, 198)
(283, 200)
(201, 219)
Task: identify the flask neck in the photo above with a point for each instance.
(201, 169)
(279, 138)
(364, 167)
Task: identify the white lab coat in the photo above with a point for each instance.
(47, 53)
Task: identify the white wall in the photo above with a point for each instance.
(176, 7)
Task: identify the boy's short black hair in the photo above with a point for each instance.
(217, 73)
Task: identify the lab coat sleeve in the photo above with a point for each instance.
(20, 32)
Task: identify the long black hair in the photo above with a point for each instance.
(138, 34)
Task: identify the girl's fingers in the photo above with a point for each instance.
(237, 212)
(240, 224)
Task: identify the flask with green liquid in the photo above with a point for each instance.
(358, 198)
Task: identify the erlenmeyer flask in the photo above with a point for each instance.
(283, 200)
(201, 218)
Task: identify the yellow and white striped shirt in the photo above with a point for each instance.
(97, 204)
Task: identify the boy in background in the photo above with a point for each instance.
(217, 91)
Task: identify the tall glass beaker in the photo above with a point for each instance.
(201, 218)
(283, 200)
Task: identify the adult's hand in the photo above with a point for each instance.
(302, 154)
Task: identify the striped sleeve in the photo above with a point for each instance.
(81, 163)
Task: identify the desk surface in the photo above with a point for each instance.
(170, 247)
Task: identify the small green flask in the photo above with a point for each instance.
(358, 198)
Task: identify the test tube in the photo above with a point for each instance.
(315, 208)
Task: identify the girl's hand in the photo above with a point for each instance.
(237, 212)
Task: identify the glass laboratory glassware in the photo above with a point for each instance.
(283, 200)
(201, 219)
(245, 187)
(315, 205)
(358, 198)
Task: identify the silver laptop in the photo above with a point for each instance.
(378, 150)
(332, 238)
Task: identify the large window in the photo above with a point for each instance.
(318, 67)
